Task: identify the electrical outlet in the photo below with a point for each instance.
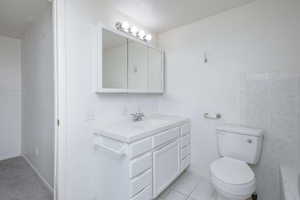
(90, 115)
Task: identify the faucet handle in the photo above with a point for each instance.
(138, 116)
(141, 114)
(134, 116)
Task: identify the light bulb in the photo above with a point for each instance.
(125, 26)
(141, 34)
(148, 37)
(134, 30)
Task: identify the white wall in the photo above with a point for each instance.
(10, 97)
(259, 38)
(38, 95)
(83, 104)
(272, 101)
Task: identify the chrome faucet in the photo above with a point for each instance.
(137, 116)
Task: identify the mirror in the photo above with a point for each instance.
(155, 70)
(114, 60)
(128, 65)
(137, 66)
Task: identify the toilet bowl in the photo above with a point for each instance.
(231, 175)
(233, 179)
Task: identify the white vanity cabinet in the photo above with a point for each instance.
(166, 166)
(143, 168)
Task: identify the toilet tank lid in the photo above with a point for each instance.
(239, 129)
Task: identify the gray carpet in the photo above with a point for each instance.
(18, 181)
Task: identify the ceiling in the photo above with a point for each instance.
(156, 15)
(162, 15)
(15, 15)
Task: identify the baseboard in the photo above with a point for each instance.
(38, 173)
(9, 157)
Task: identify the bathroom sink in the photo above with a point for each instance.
(145, 124)
(152, 122)
(129, 131)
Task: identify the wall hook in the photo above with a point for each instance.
(205, 58)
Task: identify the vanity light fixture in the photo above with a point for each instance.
(125, 26)
(133, 30)
(148, 37)
(141, 34)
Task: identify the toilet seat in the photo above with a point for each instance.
(232, 178)
(232, 171)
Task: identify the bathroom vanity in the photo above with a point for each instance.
(141, 159)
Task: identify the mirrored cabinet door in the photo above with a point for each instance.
(114, 61)
(155, 70)
(137, 66)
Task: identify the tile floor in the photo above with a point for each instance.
(189, 186)
(18, 181)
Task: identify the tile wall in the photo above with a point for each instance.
(271, 101)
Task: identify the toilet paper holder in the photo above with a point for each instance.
(214, 117)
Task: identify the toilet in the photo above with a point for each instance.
(231, 176)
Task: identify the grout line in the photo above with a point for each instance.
(187, 195)
(180, 192)
(38, 173)
(193, 190)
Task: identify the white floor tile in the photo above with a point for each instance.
(186, 183)
(213, 197)
(173, 195)
(203, 191)
(189, 186)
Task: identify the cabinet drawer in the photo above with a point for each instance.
(140, 165)
(139, 147)
(185, 129)
(186, 140)
(165, 136)
(145, 194)
(185, 151)
(185, 162)
(140, 182)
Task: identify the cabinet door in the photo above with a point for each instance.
(137, 66)
(114, 61)
(166, 167)
(155, 70)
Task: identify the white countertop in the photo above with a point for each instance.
(129, 131)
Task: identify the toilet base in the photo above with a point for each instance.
(232, 192)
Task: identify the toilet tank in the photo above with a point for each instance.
(240, 142)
